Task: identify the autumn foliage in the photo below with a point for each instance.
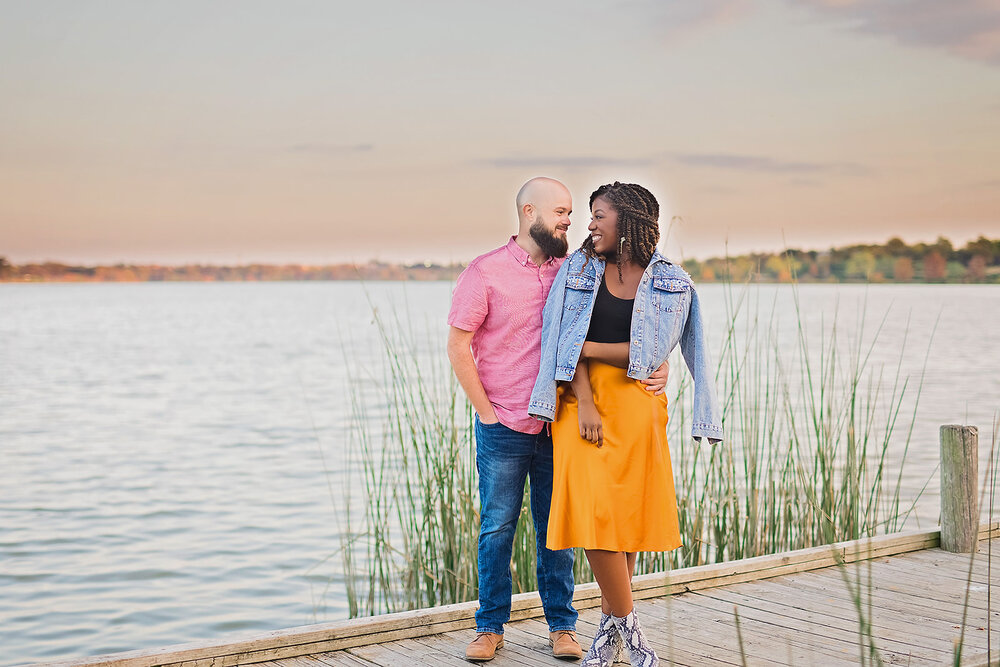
(895, 261)
(56, 272)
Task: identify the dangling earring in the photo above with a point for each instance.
(621, 245)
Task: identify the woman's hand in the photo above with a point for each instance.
(590, 422)
(586, 409)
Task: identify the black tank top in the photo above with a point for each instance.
(611, 321)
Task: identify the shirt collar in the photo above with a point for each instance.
(521, 255)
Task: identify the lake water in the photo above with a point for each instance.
(173, 455)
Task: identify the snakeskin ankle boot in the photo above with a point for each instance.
(640, 653)
(602, 649)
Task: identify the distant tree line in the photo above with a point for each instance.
(895, 261)
(57, 272)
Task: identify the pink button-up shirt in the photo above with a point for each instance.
(499, 297)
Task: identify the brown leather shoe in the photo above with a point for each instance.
(564, 645)
(484, 647)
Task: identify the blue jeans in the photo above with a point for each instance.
(504, 458)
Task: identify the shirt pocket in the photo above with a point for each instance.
(579, 290)
(671, 295)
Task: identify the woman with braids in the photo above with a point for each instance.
(603, 331)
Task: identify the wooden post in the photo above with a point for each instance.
(959, 486)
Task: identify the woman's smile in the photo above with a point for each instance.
(603, 226)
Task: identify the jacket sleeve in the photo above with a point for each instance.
(707, 418)
(542, 405)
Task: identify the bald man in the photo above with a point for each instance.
(494, 344)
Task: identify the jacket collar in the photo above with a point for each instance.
(657, 259)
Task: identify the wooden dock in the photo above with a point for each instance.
(795, 608)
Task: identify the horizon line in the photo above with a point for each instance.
(441, 263)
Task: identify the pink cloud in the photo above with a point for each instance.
(967, 28)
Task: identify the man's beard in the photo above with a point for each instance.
(547, 241)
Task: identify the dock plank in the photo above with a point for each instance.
(817, 633)
(894, 582)
(825, 627)
(299, 661)
(342, 659)
(712, 632)
(898, 611)
(904, 600)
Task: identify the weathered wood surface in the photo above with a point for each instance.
(959, 486)
(913, 601)
(795, 608)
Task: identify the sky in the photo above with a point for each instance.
(324, 131)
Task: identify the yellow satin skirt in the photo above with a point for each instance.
(619, 497)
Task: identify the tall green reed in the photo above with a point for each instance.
(806, 456)
(416, 546)
(805, 461)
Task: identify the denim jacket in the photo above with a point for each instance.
(665, 313)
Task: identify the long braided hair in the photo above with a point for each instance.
(638, 213)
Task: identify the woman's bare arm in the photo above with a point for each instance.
(613, 354)
(586, 409)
